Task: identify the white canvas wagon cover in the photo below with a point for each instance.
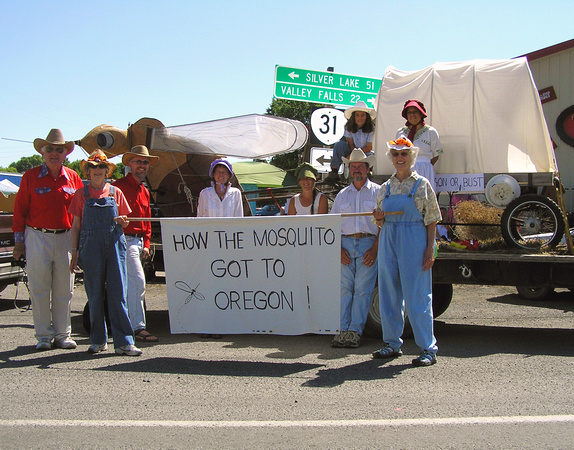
(487, 113)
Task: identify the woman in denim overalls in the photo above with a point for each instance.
(406, 255)
(101, 252)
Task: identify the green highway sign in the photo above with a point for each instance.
(324, 87)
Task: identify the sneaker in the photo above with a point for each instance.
(44, 344)
(352, 340)
(339, 340)
(387, 352)
(128, 350)
(426, 358)
(95, 348)
(66, 343)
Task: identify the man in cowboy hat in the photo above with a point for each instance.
(138, 235)
(359, 245)
(41, 226)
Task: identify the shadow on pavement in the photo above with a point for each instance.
(561, 301)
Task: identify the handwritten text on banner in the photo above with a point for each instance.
(278, 275)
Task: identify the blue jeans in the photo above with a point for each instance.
(340, 149)
(357, 284)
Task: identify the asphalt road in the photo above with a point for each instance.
(503, 380)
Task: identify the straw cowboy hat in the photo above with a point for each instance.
(139, 150)
(360, 106)
(357, 155)
(56, 139)
(95, 159)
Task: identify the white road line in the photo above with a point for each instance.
(288, 423)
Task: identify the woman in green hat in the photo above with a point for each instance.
(310, 200)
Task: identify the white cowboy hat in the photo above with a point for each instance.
(357, 155)
(360, 106)
(56, 138)
(139, 150)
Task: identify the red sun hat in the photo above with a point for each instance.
(415, 103)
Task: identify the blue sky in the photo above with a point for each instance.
(78, 64)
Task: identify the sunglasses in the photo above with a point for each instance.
(99, 166)
(139, 162)
(396, 154)
(50, 149)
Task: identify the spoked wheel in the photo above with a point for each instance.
(532, 221)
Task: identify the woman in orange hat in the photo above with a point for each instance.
(406, 255)
(99, 246)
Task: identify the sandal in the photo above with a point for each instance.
(145, 336)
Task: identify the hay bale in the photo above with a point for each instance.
(472, 211)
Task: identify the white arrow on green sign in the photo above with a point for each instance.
(324, 87)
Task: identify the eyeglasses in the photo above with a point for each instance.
(396, 154)
(50, 149)
(139, 162)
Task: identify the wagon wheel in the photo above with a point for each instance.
(532, 221)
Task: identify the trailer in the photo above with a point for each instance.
(496, 145)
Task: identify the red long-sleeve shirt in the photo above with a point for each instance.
(42, 200)
(138, 198)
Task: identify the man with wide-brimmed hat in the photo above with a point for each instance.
(41, 228)
(138, 235)
(359, 247)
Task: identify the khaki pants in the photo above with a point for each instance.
(50, 282)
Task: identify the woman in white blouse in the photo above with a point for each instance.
(221, 199)
(423, 136)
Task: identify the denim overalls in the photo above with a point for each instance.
(102, 257)
(402, 281)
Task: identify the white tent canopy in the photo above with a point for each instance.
(487, 112)
(251, 136)
(7, 187)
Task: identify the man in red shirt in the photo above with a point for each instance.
(41, 226)
(138, 235)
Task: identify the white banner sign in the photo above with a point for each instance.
(274, 275)
(470, 182)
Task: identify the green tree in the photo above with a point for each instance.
(75, 165)
(26, 162)
(290, 109)
(8, 169)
